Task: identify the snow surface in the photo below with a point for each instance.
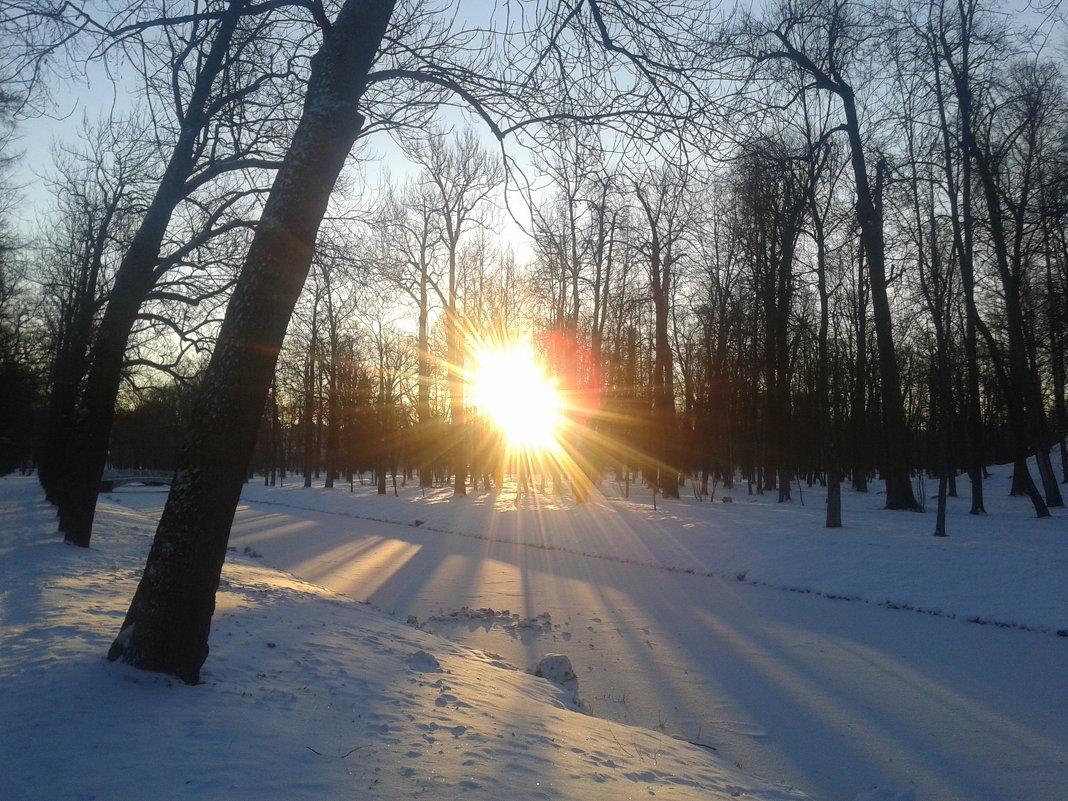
(711, 642)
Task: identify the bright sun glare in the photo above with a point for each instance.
(510, 389)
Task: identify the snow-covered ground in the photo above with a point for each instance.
(711, 643)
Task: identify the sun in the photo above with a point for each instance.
(509, 387)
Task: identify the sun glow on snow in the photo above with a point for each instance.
(510, 388)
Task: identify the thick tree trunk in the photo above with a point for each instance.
(834, 498)
(166, 628)
(1023, 407)
(940, 515)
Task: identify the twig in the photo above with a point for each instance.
(340, 755)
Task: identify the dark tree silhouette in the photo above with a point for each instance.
(166, 628)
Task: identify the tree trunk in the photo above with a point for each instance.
(940, 516)
(423, 415)
(166, 628)
(963, 224)
(333, 412)
(86, 454)
(834, 498)
(895, 466)
(310, 455)
(858, 408)
(87, 451)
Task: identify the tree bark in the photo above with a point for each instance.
(311, 455)
(86, 454)
(963, 224)
(895, 468)
(166, 628)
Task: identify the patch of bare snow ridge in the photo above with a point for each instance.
(306, 694)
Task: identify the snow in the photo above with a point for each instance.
(712, 643)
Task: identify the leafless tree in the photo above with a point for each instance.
(208, 75)
(460, 177)
(827, 42)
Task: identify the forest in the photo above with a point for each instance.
(811, 241)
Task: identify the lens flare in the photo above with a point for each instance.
(511, 390)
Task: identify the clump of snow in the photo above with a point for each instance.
(489, 617)
(423, 662)
(557, 669)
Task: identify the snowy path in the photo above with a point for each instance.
(829, 696)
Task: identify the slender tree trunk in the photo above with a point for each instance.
(422, 440)
(827, 440)
(333, 411)
(86, 454)
(858, 411)
(899, 493)
(166, 628)
(276, 436)
(963, 224)
(310, 454)
(456, 399)
(455, 353)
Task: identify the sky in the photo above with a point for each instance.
(101, 93)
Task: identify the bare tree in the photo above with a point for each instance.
(996, 138)
(203, 103)
(407, 246)
(96, 191)
(664, 197)
(460, 176)
(21, 354)
(166, 627)
(823, 40)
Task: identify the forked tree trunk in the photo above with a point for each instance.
(166, 628)
(86, 454)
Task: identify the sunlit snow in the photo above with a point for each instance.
(720, 651)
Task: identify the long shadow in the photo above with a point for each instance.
(829, 696)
